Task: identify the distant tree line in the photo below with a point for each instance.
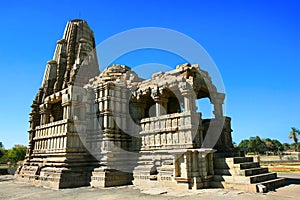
(12, 156)
(257, 145)
(261, 146)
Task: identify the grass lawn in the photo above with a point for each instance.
(283, 167)
(3, 166)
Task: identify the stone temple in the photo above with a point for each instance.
(114, 128)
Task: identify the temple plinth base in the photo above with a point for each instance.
(109, 177)
(55, 177)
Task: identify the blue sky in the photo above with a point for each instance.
(255, 45)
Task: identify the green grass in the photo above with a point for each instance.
(274, 163)
(3, 166)
(285, 171)
(281, 171)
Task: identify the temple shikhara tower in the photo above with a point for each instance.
(114, 128)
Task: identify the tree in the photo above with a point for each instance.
(256, 145)
(286, 146)
(2, 151)
(269, 144)
(3, 157)
(244, 144)
(253, 145)
(294, 146)
(277, 146)
(294, 136)
(17, 153)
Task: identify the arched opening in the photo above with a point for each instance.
(205, 107)
(56, 112)
(173, 103)
(144, 107)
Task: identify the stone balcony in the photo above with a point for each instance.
(56, 137)
(176, 130)
(57, 128)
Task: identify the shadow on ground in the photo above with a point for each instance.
(291, 178)
(292, 181)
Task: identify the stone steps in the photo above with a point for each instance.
(243, 174)
(274, 184)
(247, 180)
(238, 160)
(263, 177)
(247, 165)
(254, 171)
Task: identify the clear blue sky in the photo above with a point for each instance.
(255, 45)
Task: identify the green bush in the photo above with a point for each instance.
(14, 155)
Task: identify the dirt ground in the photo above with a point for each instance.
(10, 190)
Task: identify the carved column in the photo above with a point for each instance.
(159, 106)
(195, 161)
(160, 102)
(124, 109)
(34, 121)
(202, 164)
(217, 100)
(67, 114)
(189, 101)
(210, 164)
(45, 113)
(97, 93)
(184, 167)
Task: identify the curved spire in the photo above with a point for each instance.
(77, 42)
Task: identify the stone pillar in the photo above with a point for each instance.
(105, 121)
(42, 118)
(67, 111)
(106, 91)
(189, 163)
(66, 104)
(218, 110)
(202, 164)
(160, 106)
(210, 160)
(189, 101)
(177, 165)
(100, 106)
(195, 160)
(97, 93)
(45, 114)
(184, 166)
(46, 117)
(217, 100)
